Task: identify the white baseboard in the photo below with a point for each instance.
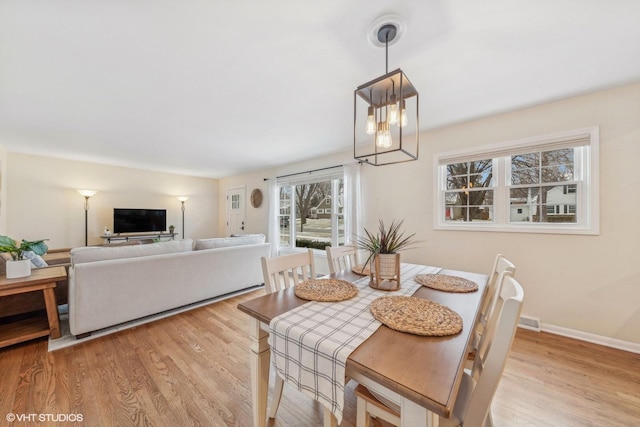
(592, 338)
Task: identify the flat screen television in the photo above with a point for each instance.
(139, 220)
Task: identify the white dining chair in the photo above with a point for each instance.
(280, 273)
(342, 257)
(287, 270)
(501, 266)
(473, 403)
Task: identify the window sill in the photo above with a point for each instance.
(516, 228)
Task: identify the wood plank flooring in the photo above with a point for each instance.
(192, 369)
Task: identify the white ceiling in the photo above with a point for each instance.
(218, 87)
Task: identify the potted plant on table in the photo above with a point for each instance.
(171, 229)
(383, 250)
(19, 265)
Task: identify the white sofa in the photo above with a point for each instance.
(113, 285)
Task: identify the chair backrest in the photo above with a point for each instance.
(342, 257)
(493, 350)
(287, 270)
(501, 265)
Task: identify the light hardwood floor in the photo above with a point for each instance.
(193, 369)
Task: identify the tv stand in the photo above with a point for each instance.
(139, 236)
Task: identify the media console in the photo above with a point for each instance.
(139, 236)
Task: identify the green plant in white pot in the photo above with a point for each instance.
(383, 250)
(19, 266)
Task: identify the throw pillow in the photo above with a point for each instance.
(36, 259)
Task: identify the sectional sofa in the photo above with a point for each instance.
(113, 285)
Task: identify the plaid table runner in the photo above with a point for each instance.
(310, 344)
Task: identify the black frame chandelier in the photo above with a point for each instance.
(385, 121)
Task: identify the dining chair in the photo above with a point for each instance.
(473, 403)
(501, 266)
(280, 273)
(341, 257)
(287, 270)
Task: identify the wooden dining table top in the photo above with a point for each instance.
(426, 370)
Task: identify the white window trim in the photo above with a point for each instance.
(332, 174)
(589, 196)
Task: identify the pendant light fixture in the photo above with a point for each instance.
(388, 133)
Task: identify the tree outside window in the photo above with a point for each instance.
(469, 195)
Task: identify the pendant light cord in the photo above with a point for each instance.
(386, 50)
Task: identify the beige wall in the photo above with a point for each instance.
(586, 284)
(3, 190)
(42, 201)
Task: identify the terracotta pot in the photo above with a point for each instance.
(385, 274)
(17, 269)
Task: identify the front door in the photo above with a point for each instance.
(236, 211)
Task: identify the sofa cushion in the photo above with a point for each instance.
(102, 253)
(224, 242)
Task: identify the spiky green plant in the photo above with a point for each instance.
(386, 240)
(9, 245)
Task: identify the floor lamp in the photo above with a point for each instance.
(182, 200)
(86, 194)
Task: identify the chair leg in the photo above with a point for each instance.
(369, 407)
(362, 416)
(329, 419)
(276, 395)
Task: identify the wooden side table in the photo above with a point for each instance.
(41, 279)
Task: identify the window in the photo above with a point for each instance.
(312, 210)
(235, 201)
(469, 192)
(544, 184)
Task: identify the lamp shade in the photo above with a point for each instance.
(87, 193)
(401, 132)
(183, 198)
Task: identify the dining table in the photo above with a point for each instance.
(421, 374)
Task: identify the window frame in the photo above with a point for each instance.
(587, 183)
(334, 175)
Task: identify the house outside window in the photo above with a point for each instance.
(546, 184)
(312, 212)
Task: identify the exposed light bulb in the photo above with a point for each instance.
(383, 136)
(393, 110)
(404, 120)
(380, 135)
(371, 122)
(388, 140)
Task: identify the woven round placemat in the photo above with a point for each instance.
(416, 316)
(325, 290)
(443, 282)
(362, 270)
